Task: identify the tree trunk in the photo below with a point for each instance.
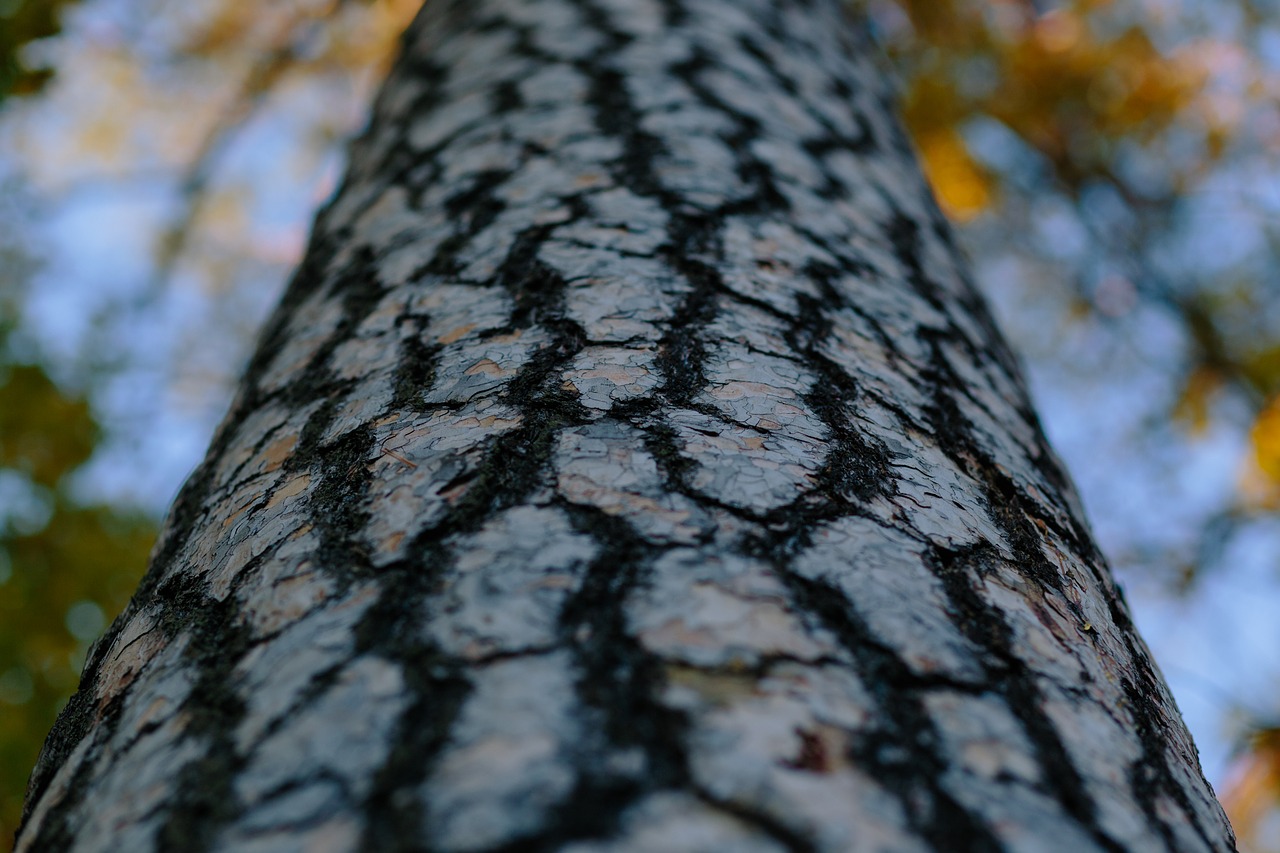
(631, 466)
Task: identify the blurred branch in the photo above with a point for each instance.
(193, 186)
(1211, 349)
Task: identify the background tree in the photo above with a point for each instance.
(1111, 161)
(631, 462)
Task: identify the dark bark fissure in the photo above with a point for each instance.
(438, 687)
(204, 797)
(1007, 676)
(903, 755)
(514, 465)
(617, 680)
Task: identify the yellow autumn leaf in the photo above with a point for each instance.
(1192, 407)
(1266, 439)
(963, 188)
(1251, 793)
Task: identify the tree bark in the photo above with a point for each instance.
(631, 466)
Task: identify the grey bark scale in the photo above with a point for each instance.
(631, 465)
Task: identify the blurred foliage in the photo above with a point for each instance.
(1085, 135)
(1071, 91)
(64, 565)
(1251, 797)
(21, 23)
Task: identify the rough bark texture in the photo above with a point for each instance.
(631, 466)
